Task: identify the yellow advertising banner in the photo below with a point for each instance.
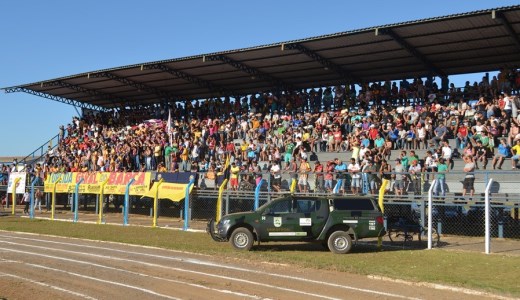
(116, 182)
(65, 182)
(172, 191)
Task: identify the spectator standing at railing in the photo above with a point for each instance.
(440, 178)
(168, 150)
(371, 172)
(329, 176)
(341, 174)
(415, 174)
(400, 177)
(304, 170)
(469, 179)
(276, 172)
(354, 171)
(319, 177)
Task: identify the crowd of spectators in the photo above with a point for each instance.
(287, 130)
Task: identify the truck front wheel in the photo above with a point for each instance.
(340, 242)
(242, 239)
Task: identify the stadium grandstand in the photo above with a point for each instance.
(377, 98)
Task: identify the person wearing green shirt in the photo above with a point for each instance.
(440, 178)
(289, 147)
(168, 157)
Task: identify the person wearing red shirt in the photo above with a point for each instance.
(372, 134)
(462, 136)
(230, 147)
(319, 177)
(337, 138)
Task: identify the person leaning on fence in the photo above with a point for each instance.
(318, 177)
(341, 173)
(415, 174)
(399, 176)
(233, 178)
(276, 176)
(329, 176)
(371, 175)
(304, 170)
(354, 170)
(469, 179)
(440, 178)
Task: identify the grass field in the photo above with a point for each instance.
(492, 273)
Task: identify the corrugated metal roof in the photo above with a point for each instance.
(478, 41)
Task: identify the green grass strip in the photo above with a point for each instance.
(491, 273)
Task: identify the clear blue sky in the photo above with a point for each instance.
(48, 39)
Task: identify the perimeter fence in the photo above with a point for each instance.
(454, 215)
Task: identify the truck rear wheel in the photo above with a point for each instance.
(242, 239)
(340, 242)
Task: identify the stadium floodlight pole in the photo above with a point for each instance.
(31, 210)
(76, 199)
(187, 203)
(430, 202)
(257, 193)
(127, 202)
(486, 216)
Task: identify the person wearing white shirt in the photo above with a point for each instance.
(354, 169)
(447, 153)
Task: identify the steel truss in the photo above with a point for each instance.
(503, 20)
(323, 61)
(255, 73)
(139, 86)
(56, 98)
(213, 88)
(414, 52)
(94, 93)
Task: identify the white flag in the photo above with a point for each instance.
(169, 126)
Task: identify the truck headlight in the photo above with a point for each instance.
(225, 222)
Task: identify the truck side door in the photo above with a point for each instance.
(280, 221)
(312, 215)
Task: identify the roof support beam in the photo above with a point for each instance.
(503, 20)
(190, 78)
(137, 85)
(411, 50)
(327, 64)
(255, 73)
(55, 98)
(94, 93)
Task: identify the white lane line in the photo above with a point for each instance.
(441, 287)
(155, 266)
(49, 286)
(222, 266)
(96, 279)
(229, 292)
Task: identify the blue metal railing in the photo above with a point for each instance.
(42, 150)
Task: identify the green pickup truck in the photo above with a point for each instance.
(333, 221)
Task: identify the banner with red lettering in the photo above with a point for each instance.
(115, 182)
